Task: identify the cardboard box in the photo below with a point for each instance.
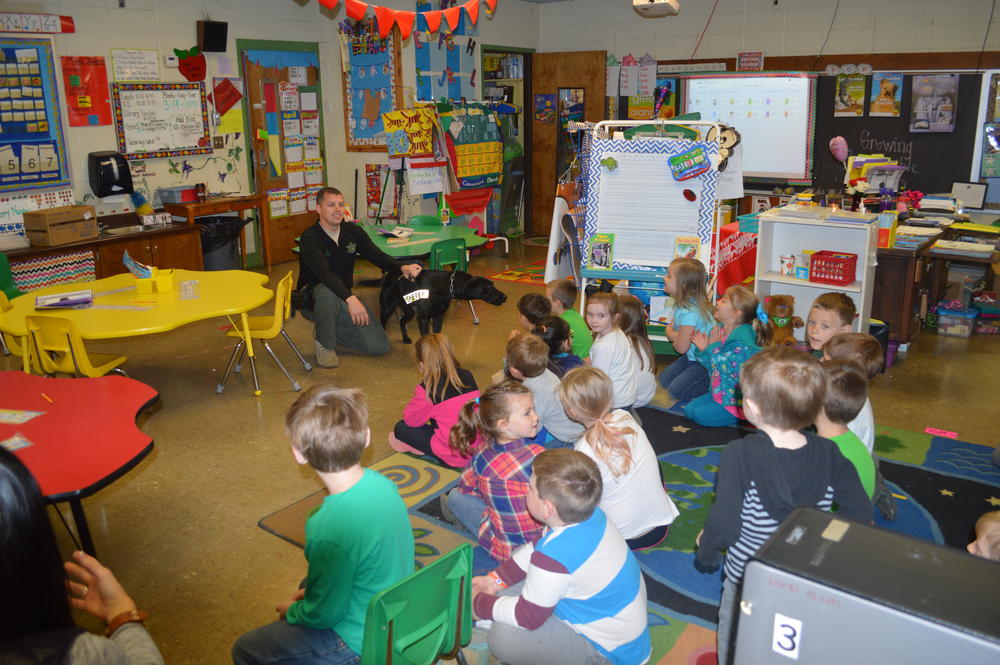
(59, 226)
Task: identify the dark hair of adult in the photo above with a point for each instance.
(332, 191)
(32, 577)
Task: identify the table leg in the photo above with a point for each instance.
(243, 243)
(82, 530)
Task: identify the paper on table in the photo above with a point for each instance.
(308, 101)
(645, 208)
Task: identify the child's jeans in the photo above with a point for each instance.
(282, 643)
(545, 439)
(706, 411)
(467, 509)
(727, 615)
(685, 379)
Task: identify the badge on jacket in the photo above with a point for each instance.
(351, 248)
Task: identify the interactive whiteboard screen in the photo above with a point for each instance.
(773, 114)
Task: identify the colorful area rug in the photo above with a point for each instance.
(941, 487)
(533, 273)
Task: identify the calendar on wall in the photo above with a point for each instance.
(32, 145)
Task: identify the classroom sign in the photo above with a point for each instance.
(32, 147)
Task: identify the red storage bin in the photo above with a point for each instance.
(835, 268)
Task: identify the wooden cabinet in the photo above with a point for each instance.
(903, 280)
(780, 236)
(169, 249)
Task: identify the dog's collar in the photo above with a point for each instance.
(451, 285)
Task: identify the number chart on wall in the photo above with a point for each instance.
(161, 119)
(32, 146)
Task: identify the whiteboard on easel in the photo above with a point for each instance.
(161, 119)
(634, 195)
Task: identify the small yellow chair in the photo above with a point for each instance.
(266, 328)
(8, 343)
(57, 348)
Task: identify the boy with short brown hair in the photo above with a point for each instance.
(766, 475)
(831, 313)
(527, 361)
(575, 596)
(562, 293)
(846, 394)
(358, 542)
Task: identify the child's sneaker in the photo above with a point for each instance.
(401, 447)
(883, 498)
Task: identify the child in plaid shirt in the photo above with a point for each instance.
(491, 497)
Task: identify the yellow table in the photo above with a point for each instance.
(119, 311)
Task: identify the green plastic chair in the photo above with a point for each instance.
(425, 221)
(7, 279)
(423, 617)
(452, 252)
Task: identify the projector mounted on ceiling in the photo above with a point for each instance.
(656, 8)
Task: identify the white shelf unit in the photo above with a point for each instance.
(778, 236)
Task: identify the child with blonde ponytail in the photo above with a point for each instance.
(491, 499)
(633, 498)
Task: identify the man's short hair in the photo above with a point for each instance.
(564, 290)
(570, 480)
(328, 425)
(846, 390)
(528, 354)
(533, 306)
(862, 349)
(787, 385)
(838, 302)
(332, 191)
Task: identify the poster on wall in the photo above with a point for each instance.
(990, 165)
(378, 176)
(934, 103)
(133, 64)
(32, 146)
(545, 108)
(85, 80)
(371, 78)
(886, 95)
(409, 132)
(446, 66)
(850, 97)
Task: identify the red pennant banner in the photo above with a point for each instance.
(453, 15)
(405, 22)
(433, 20)
(329, 4)
(385, 17)
(472, 7)
(356, 9)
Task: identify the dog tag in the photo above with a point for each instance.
(413, 296)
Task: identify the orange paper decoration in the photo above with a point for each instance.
(490, 4)
(405, 22)
(433, 20)
(329, 4)
(472, 7)
(356, 9)
(453, 15)
(385, 17)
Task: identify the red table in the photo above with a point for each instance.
(84, 439)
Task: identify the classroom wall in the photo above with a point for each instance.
(777, 27)
(164, 25)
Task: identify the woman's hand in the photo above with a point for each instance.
(95, 589)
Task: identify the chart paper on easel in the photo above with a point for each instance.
(636, 198)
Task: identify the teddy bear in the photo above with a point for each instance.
(781, 317)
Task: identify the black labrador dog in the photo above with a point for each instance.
(429, 296)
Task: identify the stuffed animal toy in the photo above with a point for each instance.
(781, 317)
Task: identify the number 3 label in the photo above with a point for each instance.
(787, 635)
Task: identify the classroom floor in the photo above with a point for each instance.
(180, 530)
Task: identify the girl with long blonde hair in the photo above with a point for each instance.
(634, 498)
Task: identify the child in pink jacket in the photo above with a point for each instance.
(443, 390)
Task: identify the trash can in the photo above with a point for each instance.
(220, 242)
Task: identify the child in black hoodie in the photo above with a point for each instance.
(766, 475)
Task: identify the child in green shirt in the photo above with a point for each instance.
(562, 294)
(846, 393)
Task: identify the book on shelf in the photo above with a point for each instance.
(971, 249)
(602, 251)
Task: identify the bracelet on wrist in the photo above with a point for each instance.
(130, 616)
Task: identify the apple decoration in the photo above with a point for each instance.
(191, 63)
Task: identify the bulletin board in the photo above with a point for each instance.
(32, 145)
(161, 119)
(633, 195)
(371, 76)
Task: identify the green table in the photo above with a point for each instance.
(419, 244)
